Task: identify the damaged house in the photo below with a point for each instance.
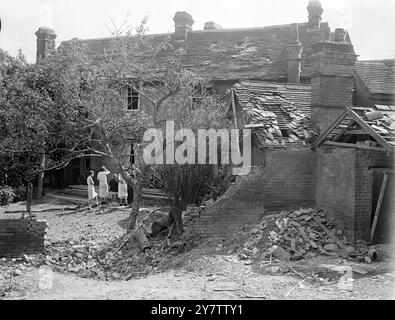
(278, 54)
(348, 169)
(321, 121)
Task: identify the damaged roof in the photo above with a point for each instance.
(226, 54)
(278, 114)
(378, 77)
(378, 122)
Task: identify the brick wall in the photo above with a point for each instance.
(345, 188)
(335, 188)
(19, 236)
(332, 82)
(286, 180)
(364, 191)
(332, 90)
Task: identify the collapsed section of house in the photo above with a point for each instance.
(327, 153)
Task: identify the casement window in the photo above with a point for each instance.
(132, 99)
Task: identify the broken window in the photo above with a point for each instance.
(133, 101)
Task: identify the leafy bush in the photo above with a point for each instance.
(20, 193)
(7, 195)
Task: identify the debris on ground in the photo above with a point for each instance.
(299, 234)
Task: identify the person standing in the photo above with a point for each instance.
(91, 190)
(132, 173)
(122, 191)
(113, 188)
(103, 185)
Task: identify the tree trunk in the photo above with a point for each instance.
(142, 240)
(40, 178)
(176, 218)
(136, 202)
(29, 197)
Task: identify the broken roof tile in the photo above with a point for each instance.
(288, 115)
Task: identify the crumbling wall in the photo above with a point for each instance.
(285, 180)
(336, 186)
(19, 236)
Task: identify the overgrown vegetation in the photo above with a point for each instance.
(72, 105)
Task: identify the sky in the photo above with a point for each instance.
(369, 23)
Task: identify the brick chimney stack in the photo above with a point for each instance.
(183, 24)
(294, 50)
(45, 42)
(315, 12)
(332, 81)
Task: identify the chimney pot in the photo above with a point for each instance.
(183, 24)
(340, 35)
(45, 42)
(210, 25)
(315, 11)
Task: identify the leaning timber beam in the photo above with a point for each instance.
(353, 145)
(379, 203)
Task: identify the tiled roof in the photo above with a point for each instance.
(376, 76)
(383, 123)
(227, 54)
(378, 122)
(277, 113)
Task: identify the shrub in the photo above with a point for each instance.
(7, 195)
(20, 193)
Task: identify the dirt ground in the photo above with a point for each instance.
(206, 272)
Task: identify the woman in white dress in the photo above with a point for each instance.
(91, 190)
(122, 191)
(103, 184)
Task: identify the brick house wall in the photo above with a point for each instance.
(335, 186)
(364, 160)
(345, 188)
(286, 180)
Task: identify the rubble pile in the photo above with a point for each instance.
(91, 261)
(299, 234)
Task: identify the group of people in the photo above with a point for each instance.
(115, 188)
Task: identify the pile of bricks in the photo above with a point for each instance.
(21, 236)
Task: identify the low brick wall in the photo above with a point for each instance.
(21, 236)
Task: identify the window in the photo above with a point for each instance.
(132, 153)
(133, 101)
(284, 132)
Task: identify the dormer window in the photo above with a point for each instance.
(132, 99)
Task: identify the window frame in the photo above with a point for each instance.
(130, 87)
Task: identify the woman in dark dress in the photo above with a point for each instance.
(113, 188)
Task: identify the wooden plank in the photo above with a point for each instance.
(352, 145)
(322, 138)
(233, 107)
(357, 132)
(349, 125)
(373, 133)
(379, 203)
